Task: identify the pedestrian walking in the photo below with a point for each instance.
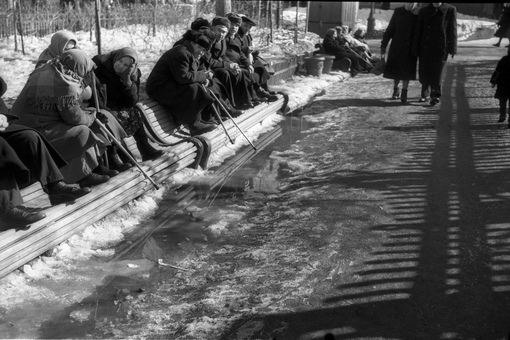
(501, 80)
(503, 23)
(401, 63)
(435, 38)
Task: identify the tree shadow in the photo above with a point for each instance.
(444, 270)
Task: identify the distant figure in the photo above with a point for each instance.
(501, 80)
(504, 25)
(435, 38)
(401, 64)
(333, 46)
(61, 41)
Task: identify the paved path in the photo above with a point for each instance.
(434, 263)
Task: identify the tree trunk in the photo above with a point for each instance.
(223, 7)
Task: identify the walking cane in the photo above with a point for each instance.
(229, 116)
(112, 137)
(219, 118)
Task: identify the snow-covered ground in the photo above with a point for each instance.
(98, 239)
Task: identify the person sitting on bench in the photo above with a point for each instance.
(50, 102)
(27, 157)
(332, 46)
(119, 81)
(176, 83)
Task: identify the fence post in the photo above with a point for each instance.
(98, 28)
(15, 22)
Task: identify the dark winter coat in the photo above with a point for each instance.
(333, 46)
(119, 96)
(400, 64)
(434, 39)
(235, 51)
(503, 30)
(176, 83)
(501, 78)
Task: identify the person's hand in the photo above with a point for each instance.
(4, 122)
(209, 74)
(125, 76)
(235, 67)
(251, 69)
(91, 111)
(102, 117)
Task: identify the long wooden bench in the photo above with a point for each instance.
(19, 246)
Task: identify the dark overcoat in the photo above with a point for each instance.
(401, 63)
(176, 83)
(503, 30)
(434, 39)
(501, 78)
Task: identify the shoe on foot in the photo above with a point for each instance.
(403, 96)
(496, 45)
(396, 93)
(60, 192)
(263, 94)
(115, 163)
(22, 216)
(103, 170)
(424, 99)
(93, 179)
(434, 101)
(199, 128)
(502, 118)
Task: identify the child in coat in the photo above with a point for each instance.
(501, 80)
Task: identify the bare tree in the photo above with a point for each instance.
(223, 7)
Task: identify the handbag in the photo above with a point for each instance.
(379, 66)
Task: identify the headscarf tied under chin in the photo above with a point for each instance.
(59, 83)
(111, 58)
(58, 42)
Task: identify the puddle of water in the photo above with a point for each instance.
(176, 230)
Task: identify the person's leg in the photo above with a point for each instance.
(498, 43)
(424, 92)
(403, 95)
(502, 109)
(10, 200)
(396, 90)
(435, 94)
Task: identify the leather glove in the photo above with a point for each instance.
(102, 117)
(125, 76)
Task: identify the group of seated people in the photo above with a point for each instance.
(340, 43)
(54, 132)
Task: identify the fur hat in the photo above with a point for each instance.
(199, 23)
(221, 21)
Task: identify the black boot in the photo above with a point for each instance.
(403, 96)
(147, 151)
(396, 93)
(232, 111)
(114, 162)
(199, 128)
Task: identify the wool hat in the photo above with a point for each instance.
(221, 21)
(200, 23)
(249, 21)
(234, 18)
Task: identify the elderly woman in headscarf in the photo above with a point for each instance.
(50, 102)
(332, 46)
(60, 42)
(119, 79)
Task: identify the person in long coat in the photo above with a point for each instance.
(27, 157)
(503, 23)
(60, 42)
(119, 78)
(435, 38)
(401, 63)
(177, 83)
(501, 80)
(50, 102)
